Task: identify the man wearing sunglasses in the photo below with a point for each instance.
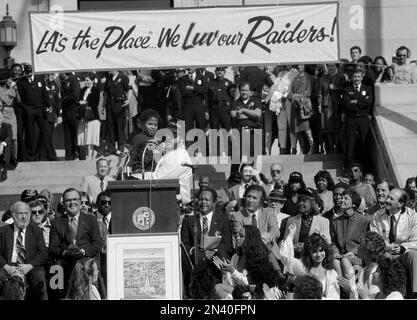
(403, 71)
(40, 218)
(277, 183)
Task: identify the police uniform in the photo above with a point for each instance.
(70, 94)
(193, 107)
(220, 104)
(37, 130)
(117, 89)
(52, 99)
(357, 117)
(246, 127)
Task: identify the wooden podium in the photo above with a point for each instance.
(144, 206)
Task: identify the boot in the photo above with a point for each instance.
(293, 150)
(3, 174)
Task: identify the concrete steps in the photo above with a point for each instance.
(58, 175)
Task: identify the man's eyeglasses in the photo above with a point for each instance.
(38, 212)
(85, 202)
(401, 55)
(105, 202)
(275, 171)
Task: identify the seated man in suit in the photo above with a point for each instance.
(255, 214)
(308, 220)
(97, 183)
(74, 235)
(104, 215)
(210, 223)
(349, 230)
(6, 136)
(23, 252)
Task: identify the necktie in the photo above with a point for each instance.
(102, 183)
(73, 227)
(254, 220)
(20, 248)
(391, 235)
(246, 186)
(205, 225)
(106, 222)
(357, 88)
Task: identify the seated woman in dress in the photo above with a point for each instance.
(370, 250)
(83, 277)
(316, 260)
(252, 266)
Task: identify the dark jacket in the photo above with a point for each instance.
(195, 96)
(70, 92)
(92, 100)
(36, 252)
(88, 235)
(219, 222)
(349, 232)
(364, 101)
(31, 93)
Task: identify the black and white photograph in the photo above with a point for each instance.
(179, 151)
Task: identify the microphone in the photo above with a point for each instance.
(184, 164)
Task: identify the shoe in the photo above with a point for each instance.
(293, 150)
(3, 174)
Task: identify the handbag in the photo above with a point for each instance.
(89, 114)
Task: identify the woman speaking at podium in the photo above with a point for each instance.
(173, 157)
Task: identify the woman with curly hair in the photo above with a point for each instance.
(391, 279)
(252, 266)
(371, 248)
(81, 284)
(325, 185)
(316, 260)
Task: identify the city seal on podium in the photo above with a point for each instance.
(143, 218)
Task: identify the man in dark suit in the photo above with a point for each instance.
(37, 130)
(74, 235)
(357, 113)
(210, 223)
(23, 252)
(6, 137)
(70, 94)
(193, 90)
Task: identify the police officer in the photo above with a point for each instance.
(37, 131)
(117, 87)
(193, 89)
(52, 98)
(220, 101)
(70, 94)
(246, 113)
(357, 114)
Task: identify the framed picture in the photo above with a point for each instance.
(144, 266)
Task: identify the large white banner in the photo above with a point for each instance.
(92, 40)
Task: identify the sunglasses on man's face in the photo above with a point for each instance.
(40, 212)
(85, 202)
(103, 202)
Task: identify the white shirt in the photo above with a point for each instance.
(209, 216)
(14, 254)
(406, 229)
(46, 229)
(76, 218)
(170, 167)
(242, 189)
(108, 217)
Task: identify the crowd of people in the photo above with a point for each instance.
(345, 238)
(321, 108)
(351, 237)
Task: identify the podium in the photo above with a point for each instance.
(144, 206)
